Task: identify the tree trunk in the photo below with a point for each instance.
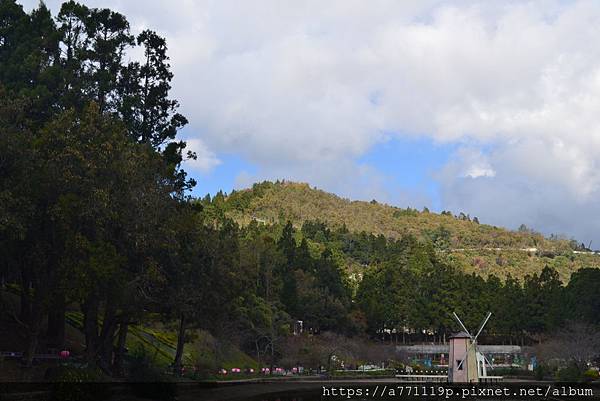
(90, 328)
(107, 336)
(25, 312)
(180, 344)
(257, 357)
(35, 320)
(56, 323)
(121, 344)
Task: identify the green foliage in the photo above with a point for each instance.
(591, 375)
(570, 373)
(151, 382)
(73, 384)
(540, 372)
(463, 242)
(582, 295)
(84, 139)
(72, 374)
(94, 213)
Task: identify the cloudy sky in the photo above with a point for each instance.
(491, 108)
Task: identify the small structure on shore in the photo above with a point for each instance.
(462, 362)
(466, 364)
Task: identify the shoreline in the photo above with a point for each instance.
(238, 390)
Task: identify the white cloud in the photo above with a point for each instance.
(470, 163)
(205, 160)
(301, 89)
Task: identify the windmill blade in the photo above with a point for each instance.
(491, 365)
(483, 325)
(473, 339)
(487, 360)
(461, 324)
(470, 345)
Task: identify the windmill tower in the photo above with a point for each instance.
(465, 364)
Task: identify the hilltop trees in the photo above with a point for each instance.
(145, 86)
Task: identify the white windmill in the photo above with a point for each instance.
(466, 364)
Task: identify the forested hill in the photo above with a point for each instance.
(460, 238)
(298, 202)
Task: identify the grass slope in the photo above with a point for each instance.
(159, 343)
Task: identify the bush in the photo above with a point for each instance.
(570, 373)
(72, 374)
(73, 383)
(206, 367)
(540, 372)
(591, 375)
(148, 380)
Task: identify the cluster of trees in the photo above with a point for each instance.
(283, 200)
(413, 296)
(94, 213)
(91, 180)
(407, 292)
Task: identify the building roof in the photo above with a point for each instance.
(460, 334)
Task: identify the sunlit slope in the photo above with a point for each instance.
(273, 202)
(460, 238)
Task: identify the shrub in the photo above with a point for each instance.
(570, 373)
(540, 372)
(73, 383)
(72, 374)
(148, 380)
(591, 375)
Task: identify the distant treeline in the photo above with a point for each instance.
(94, 215)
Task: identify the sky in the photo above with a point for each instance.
(486, 107)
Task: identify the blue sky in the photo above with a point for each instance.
(408, 164)
(489, 107)
(222, 177)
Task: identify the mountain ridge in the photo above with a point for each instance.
(460, 240)
(299, 202)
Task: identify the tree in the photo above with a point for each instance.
(542, 296)
(29, 50)
(113, 210)
(180, 296)
(150, 115)
(576, 344)
(287, 245)
(108, 34)
(94, 42)
(582, 296)
(303, 258)
(79, 190)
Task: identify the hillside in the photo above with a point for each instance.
(460, 239)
